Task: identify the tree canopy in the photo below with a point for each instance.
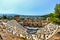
(55, 17)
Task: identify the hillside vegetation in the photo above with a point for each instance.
(55, 16)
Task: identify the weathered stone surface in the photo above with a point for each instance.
(15, 31)
(1, 37)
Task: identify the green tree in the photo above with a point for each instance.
(51, 15)
(4, 17)
(56, 16)
(57, 11)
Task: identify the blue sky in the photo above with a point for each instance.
(27, 7)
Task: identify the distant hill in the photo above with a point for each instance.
(27, 16)
(23, 15)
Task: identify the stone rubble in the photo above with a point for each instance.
(14, 28)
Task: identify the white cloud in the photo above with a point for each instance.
(6, 11)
